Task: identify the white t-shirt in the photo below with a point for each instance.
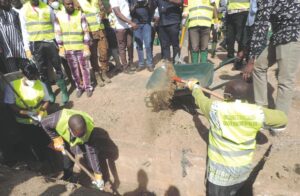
(124, 8)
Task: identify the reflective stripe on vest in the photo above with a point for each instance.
(72, 33)
(200, 15)
(226, 176)
(38, 22)
(62, 126)
(232, 136)
(238, 4)
(32, 96)
(91, 11)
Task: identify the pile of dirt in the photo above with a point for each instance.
(161, 97)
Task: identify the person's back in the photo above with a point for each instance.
(232, 137)
(234, 126)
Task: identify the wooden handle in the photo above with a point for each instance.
(80, 165)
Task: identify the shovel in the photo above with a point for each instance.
(177, 79)
(159, 80)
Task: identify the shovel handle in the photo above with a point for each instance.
(80, 165)
(178, 79)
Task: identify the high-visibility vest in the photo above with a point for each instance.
(72, 32)
(31, 96)
(232, 141)
(200, 13)
(62, 127)
(92, 11)
(238, 5)
(38, 22)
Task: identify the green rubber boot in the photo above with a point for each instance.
(195, 57)
(64, 91)
(213, 49)
(50, 92)
(203, 56)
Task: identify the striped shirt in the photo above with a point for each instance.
(10, 34)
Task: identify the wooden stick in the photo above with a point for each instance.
(79, 165)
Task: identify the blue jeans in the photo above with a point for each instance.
(143, 35)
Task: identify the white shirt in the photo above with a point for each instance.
(124, 8)
(23, 25)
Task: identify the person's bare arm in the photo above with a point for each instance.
(119, 14)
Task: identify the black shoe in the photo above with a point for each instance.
(89, 93)
(140, 68)
(127, 71)
(79, 93)
(150, 69)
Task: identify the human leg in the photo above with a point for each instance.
(165, 42)
(103, 55)
(260, 81)
(129, 44)
(120, 34)
(204, 37)
(173, 31)
(138, 37)
(288, 60)
(147, 33)
(194, 36)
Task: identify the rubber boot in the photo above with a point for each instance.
(50, 92)
(99, 79)
(64, 91)
(203, 56)
(105, 78)
(213, 49)
(195, 57)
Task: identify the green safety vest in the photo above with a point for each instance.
(200, 13)
(31, 96)
(232, 141)
(62, 127)
(38, 22)
(91, 11)
(238, 4)
(72, 32)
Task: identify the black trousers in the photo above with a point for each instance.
(46, 54)
(236, 31)
(169, 36)
(216, 190)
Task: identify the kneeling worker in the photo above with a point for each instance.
(71, 129)
(234, 125)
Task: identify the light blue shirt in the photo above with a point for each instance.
(252, 13)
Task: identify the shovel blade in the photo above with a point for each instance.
(158, 79)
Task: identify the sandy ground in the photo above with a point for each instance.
(164, 152)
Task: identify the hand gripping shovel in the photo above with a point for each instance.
(177, 79)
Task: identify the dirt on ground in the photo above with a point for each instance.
(148, 151)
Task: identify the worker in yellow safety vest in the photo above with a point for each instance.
(73, 130)
(29, 99)
(234, 124)
(72, 36)
(37, 20)
(95, 12)
(200, 15)
(237, 14)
